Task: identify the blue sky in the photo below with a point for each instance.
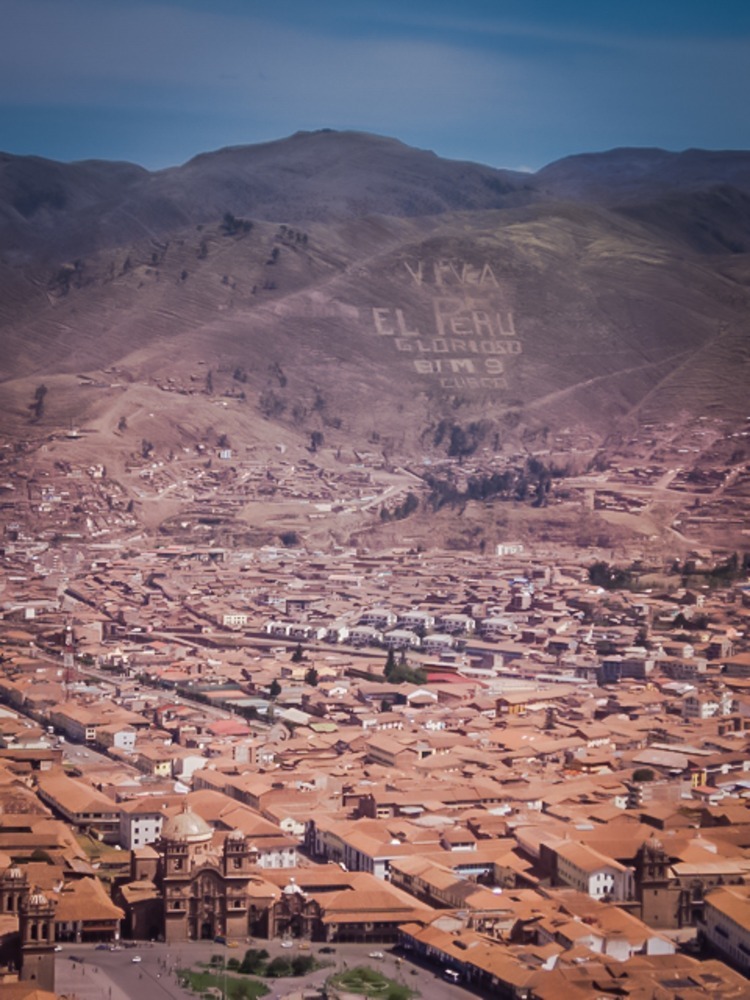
(510, 83)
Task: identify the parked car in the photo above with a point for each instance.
(136, 958)
(377, 954)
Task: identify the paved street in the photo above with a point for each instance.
(106, 975)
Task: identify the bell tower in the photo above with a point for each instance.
(37, 929)
(237, 857)
(13, 887)
(656, 889)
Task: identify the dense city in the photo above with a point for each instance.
(521, 771)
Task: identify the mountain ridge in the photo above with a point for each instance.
(406, 289)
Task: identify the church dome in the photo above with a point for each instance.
(655, 845)
(186, 826)
(292, 888)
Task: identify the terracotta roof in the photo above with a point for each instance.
(85, 899)
(734, 902)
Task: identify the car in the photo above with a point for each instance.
(377, 954)
(220, 939)
(232, 944)
(58, 947)
(287, 944)
(451, 976)
(136, 958)
(327, 950)
(102, 947)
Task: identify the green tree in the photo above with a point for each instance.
(302, 964)
(298, 655)
(275, 688)
(311, 677)
(278, 967)
(390, 663)
(37, 407)
(229, 224)
(254, 962)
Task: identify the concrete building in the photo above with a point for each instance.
(726, 924)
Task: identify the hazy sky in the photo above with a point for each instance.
(510, 83)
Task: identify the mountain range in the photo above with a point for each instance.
(346, 285)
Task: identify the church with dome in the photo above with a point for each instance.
(196, 883)
(193, 884)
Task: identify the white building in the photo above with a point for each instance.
(416, 619)
(365, 635)
(496, 627)
(593, 873)
(438, 642)
(706, 704)
(456, 624)
(401, 638)
(726, 923)
(336, 633)
(380, 618)
(140, 823)
(278, 628)
(235, 619)
(509, 549)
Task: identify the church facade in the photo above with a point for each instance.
(192, 885)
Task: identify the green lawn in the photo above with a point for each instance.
(237, 987)
(371, 983)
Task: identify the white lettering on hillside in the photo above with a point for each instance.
(472, 334)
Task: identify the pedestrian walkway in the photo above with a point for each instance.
(87, 981)
(84, 981)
